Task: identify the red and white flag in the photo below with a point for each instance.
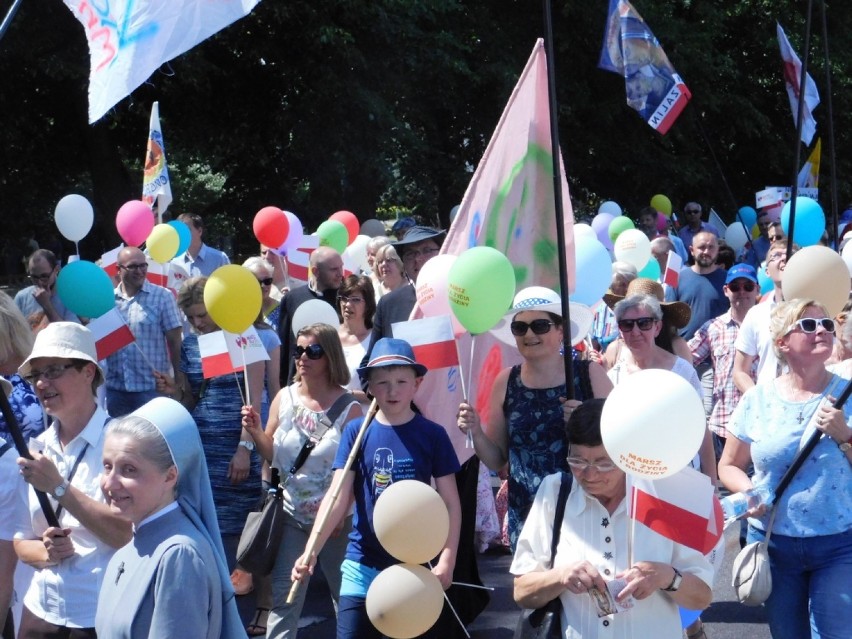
(215, 359)
(673, 265)
(157, 273)
(683, 508)
(111, 333)
(793, 80)
(246, 348)
(109, 261)
(432, 340)
(298, 261)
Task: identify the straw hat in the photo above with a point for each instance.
(677, 313)
(539, 298)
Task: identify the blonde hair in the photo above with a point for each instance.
(784, 317)
(16, 337)
(191, 293)
(327, 337)
(389, 252)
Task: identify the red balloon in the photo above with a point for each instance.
(134, 222)
(350, 221)
(271, 226)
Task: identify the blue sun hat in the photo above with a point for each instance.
(390, 351)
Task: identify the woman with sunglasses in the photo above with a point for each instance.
(810, 549)
(527, 407)
(299, 415)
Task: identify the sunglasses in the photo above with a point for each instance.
(810, 324)
(736, 287)
(314, 351)
(644, 324)
(539, 327)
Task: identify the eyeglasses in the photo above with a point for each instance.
(736, 287)
(810, 324)
(134, 267)
(644, 324)
(352, 300)
(266, 281)
(776, 257)
(411, 255)
(51, 372)
(313, 351)
(692, 211)
(43, 277)
(580, 465)
(539, 327)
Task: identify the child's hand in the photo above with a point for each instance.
(166, 385)
(303, 568)
(251, 420)
(443, 570)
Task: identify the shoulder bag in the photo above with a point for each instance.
(546, 622)
(261, 536)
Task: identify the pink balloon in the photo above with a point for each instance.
(134, 222)
(294, 236)
(432, 288)
(350, 221)
(662, 222)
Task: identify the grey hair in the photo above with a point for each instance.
(152, 444)
(648, 302)
(378, 242)
(255, 263)
(625, 269)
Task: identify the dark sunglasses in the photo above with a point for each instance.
(644, 324)
(736, 287)
(810, 324)
(314, 351)
(267, 281)
(539, 327)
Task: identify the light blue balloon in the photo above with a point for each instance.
(810, 221)
(85, 289)
(651, 270)
(184, 236)
(748, 216)
(766, 284)
(594, 271)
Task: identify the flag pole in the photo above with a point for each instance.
(832, 162)
(567, 348)
(9, 16)
(800, 116)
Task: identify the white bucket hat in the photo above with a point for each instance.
(539, 298)
(67, 340)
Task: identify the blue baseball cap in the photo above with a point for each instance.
(744, 271)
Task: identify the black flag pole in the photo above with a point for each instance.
(567, 349)
(9, 15)
(832, 161)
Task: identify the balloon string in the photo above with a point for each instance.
(459, 583)
(468, 443)
(77, 246)
(245, 374)
(455, 614)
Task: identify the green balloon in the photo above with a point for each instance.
(651, 270)
(481, 285)
(619, 225)
(332, 233)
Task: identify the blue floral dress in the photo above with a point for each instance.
(537, 446)
(26, 408)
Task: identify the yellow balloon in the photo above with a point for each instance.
(404, 601)
(817, 273)
(755, 232)
(233, 298)
(162, 243)
(662, 204)
(411, 521)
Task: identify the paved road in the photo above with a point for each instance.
(725, 619)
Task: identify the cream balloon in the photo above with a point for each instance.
(404, 601)
(818, 273)
(433, 289)
(584, 230)
(634, 247)
(736, 236)
(357, 253)
(653, 423)
(411, 521)
(846, 254)
(314, 312)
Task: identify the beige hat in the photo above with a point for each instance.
(678, 313)
(67, 340)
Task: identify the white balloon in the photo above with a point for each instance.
(653, 423)
(373, 228)
(846, 254)
(736, 236)
(74, 217)
(610, 207)
(314, 312)
(411, 521)
(404, 601)
(634, 247)
(357, 252)
(584, 230)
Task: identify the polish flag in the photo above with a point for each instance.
(109, 262)
(246, 348)
(298, 261)
(111, 333)
(432, 340)
(157, 273)
(683, 508)
(673, 266)
(215, 359)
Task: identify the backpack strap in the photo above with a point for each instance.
(561, 499)
(340, 404)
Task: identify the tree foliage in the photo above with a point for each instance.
(389, 104)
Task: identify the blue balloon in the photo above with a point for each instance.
(766, 284)
(85, 289)
(748, 216)
(688, 617)
(594, 271)
(810, 221)
(651, 270)
(184, 236)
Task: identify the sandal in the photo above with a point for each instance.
(698, 634)
(257, 628)
(242, 582)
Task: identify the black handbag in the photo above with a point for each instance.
(263, 530)
(546, 622)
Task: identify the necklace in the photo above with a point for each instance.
(806, 402)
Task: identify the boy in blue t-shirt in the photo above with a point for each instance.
(398, 444)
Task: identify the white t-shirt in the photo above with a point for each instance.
(754, 339)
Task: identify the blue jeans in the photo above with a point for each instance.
(121, 403)
(811, 594)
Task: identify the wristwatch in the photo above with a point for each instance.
(675, 584)
(61, 489)
(845, 445)
(249, 446)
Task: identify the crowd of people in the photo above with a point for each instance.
(126, 514)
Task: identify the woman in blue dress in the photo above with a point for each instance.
(16, 342)
(525, 425)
